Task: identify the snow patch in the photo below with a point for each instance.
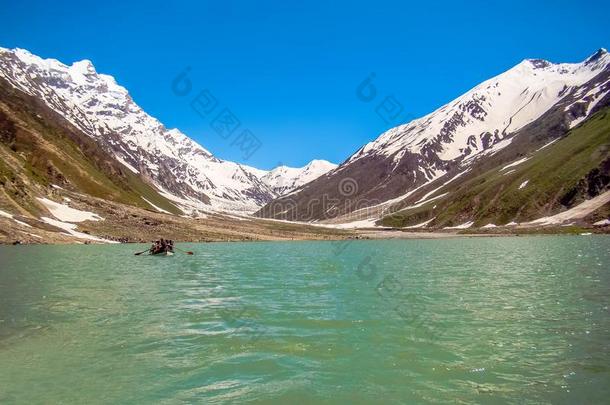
(421, 225)
(439, 187)
(22, 223)
(596, 99)
(580, 211)
(71, 230)
(515, 163)
(419, 204)
(10, 216)
(155, 207)
(127, 165)
(237, 217)
(523, 184)
(547, 144)
(462, 226)
(68, 214)
(365, 223)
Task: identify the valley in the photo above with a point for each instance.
(526, 151)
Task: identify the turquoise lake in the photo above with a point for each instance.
(521, 320)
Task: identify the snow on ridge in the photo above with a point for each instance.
(95, 103)
(283, 179)
(259, 173)
(500, 105)
(100, 107)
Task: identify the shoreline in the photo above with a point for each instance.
(108, 222)
(364, 234)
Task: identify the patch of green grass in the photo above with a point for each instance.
(6, 174)
(53, 152)
(142, 189)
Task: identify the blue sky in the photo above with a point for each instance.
(290, 72)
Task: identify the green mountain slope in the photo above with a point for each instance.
(38, 149)
(549, 180)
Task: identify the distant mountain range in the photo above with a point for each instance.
(283, 179)
(444, 169)
(530, 143)
(179, 169)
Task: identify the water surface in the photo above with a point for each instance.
(486, 320)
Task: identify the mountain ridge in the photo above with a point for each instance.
(502, 120)
(181, 169)
(283, 179)
(548, 98)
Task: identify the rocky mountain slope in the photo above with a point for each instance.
(166, 159)
(41, 152)
(497, 122)
(563, 181)
(58, 185)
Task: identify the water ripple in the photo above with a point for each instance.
(520, 320)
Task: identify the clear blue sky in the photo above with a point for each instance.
(289, 72)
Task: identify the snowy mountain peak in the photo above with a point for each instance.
(500, 114)
(487, 114)
(539, 63)
(321, 164)
(180, 168)
(284, 179)
(28, 57)
(83, 67)
(600, 54)
(597, 61)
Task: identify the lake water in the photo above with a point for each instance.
(485, 320)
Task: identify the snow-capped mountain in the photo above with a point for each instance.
(284, 179)
(493, 110)
(474, 126)
(181, 169)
